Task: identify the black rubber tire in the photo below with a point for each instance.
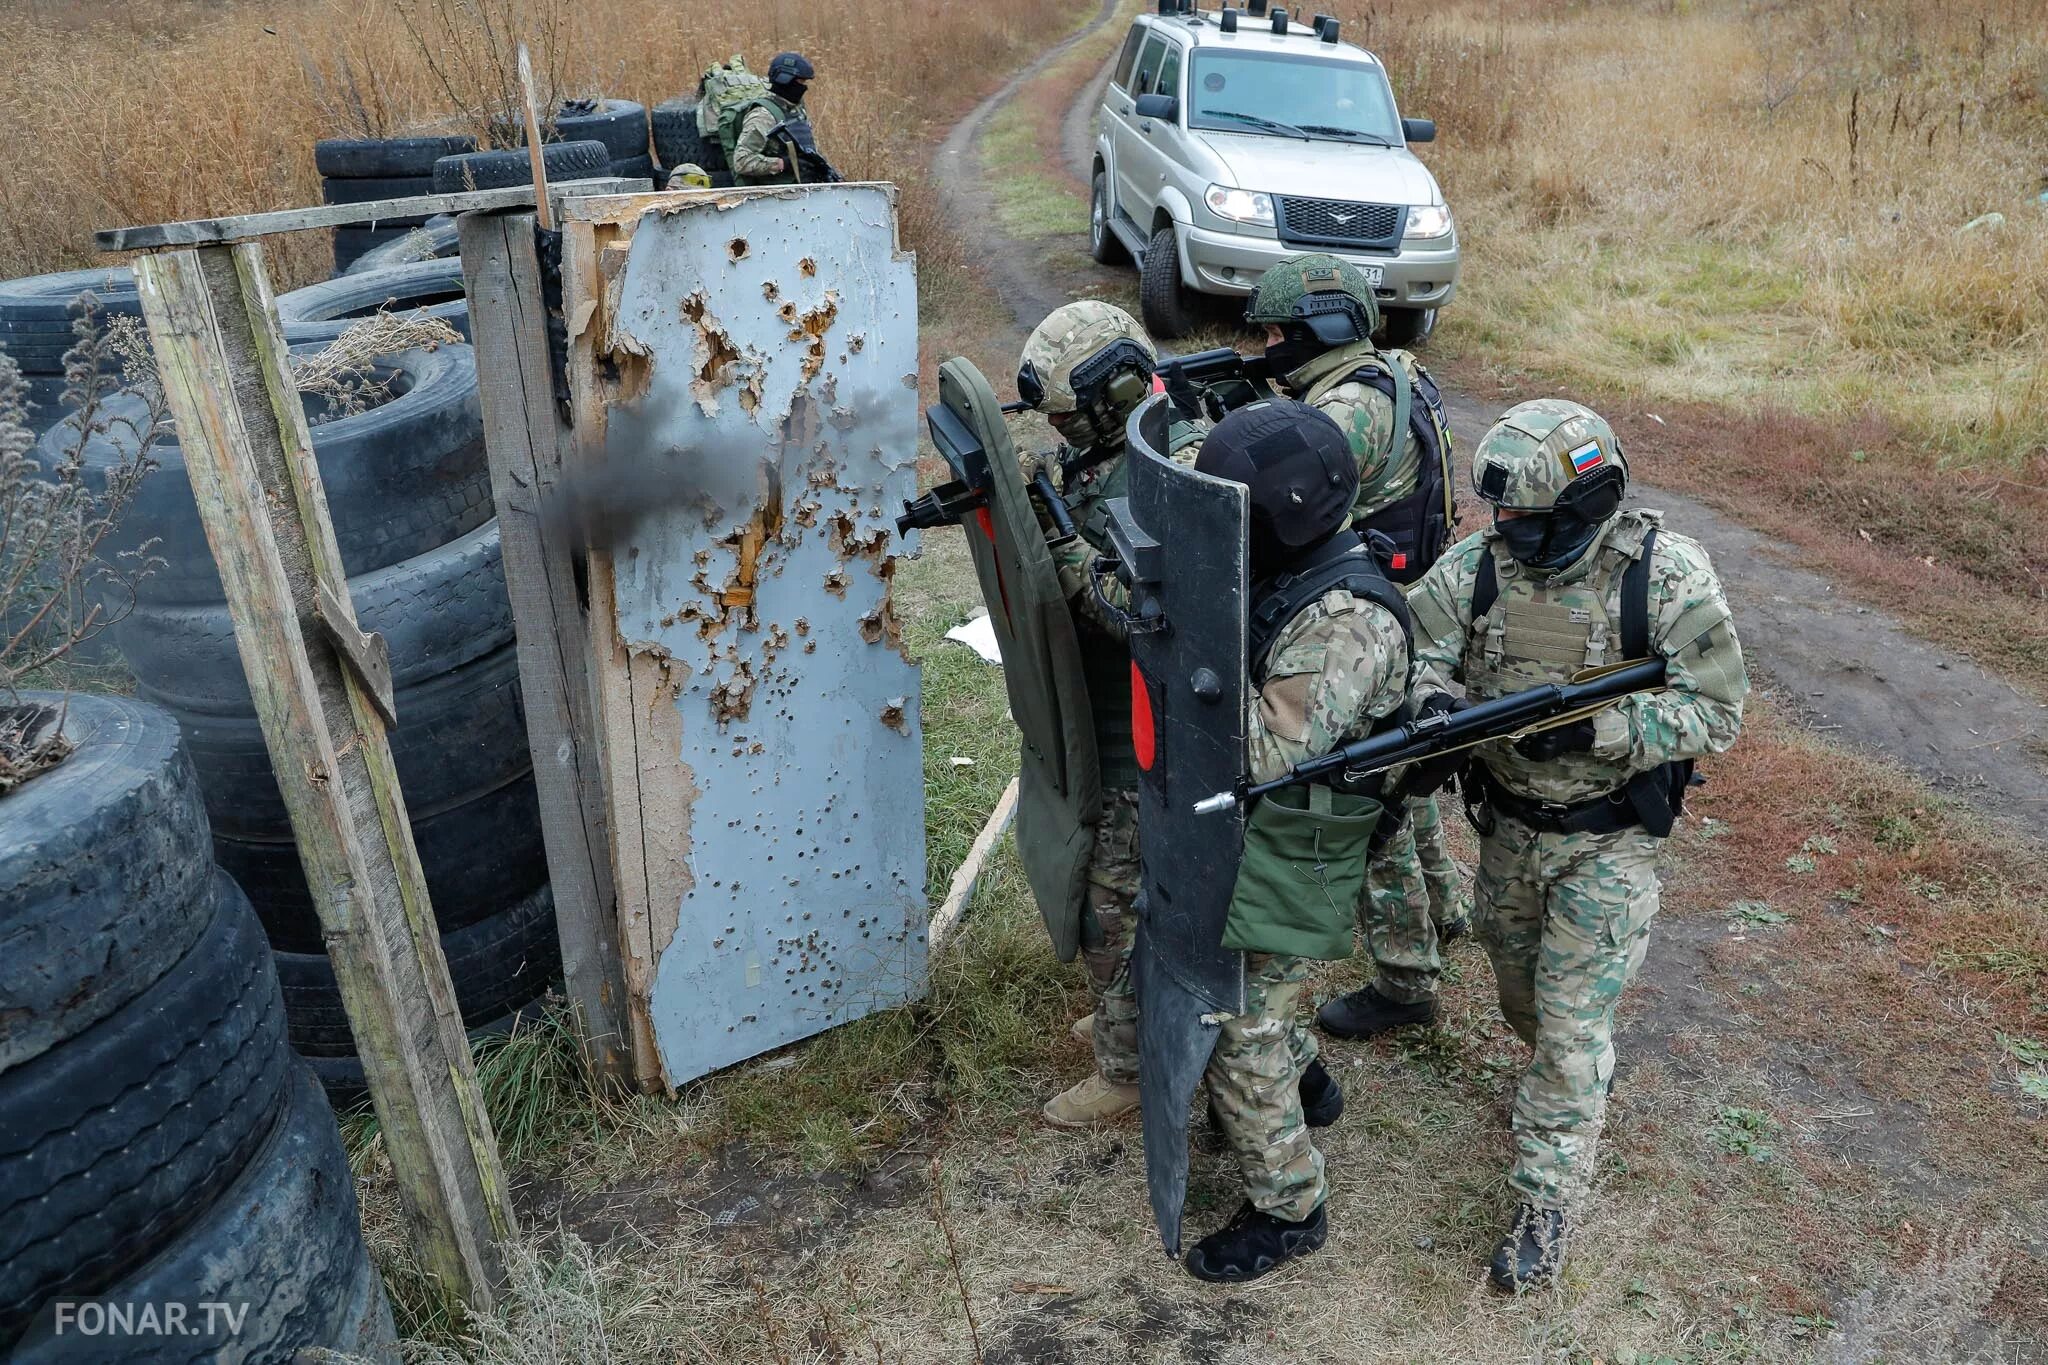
(1405, 328)
(35, 312)
(436, 240)
(497, 965)
(677, 141)
(477, 857)
(402, 478)
(45, 401)
(351, 244)
(355, 158)
(436, 612)
(460, 734)
(1104, 246)
(104, 866)
(320, 312)
(621, 125)
(367, 190)
(284, 1239)
(1162, 301)
(495, 170)
(723, 180)
(113, 1142)
(636, 168)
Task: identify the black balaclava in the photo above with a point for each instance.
(790, 75)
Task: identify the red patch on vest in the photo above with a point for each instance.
(1144, 739)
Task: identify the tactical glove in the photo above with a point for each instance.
(1545, 745)
(1430, 774)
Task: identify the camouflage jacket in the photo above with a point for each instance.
(1086, 493)
(1545, 629)
(753, 162)
(1367, 416)
(1337, 667)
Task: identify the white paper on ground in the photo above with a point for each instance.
(978, 635)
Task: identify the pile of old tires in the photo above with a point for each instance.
(159, 1145)
(590, 137)
(409, 493)
(36, 327)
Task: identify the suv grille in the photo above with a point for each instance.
(1336, 222)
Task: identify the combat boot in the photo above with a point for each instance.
(1253, 1243)
(1530, 1255)
(1451, 930)
(1083, 1028)
(1365, 1013)
(1094, 1101)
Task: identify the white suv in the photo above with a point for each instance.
(1230, 141)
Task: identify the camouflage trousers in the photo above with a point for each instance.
(1412, 891)
(1566, 920)
(1254, 1080)
(1112, 886)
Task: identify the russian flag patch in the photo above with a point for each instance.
(1586, 457)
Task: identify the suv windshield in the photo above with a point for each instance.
(1288, 96)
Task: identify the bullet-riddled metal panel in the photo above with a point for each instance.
(762, 419)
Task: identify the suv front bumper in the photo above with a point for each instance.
(1227, 263)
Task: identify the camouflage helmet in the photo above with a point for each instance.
(689, 176)
(1078, 347)
(1333, 296)
(1541, 448)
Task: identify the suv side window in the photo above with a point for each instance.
(1129, 59)
(1168, 80)
(1148, 66)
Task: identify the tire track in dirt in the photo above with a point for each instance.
(1849, 670)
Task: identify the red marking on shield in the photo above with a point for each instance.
(1144, 734)
(986, 522)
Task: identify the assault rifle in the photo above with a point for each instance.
(1445, 732)
(1208, 384)
(802, 143)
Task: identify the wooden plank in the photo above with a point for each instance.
(242, 227)
(968, 876)
(527, 442)
(221, 354)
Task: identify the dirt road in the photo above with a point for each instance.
(1846, 669)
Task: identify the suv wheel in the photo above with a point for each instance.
(1405, 327)
(1161, 300)
(1103, 244)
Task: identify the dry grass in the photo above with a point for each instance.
(145, 112)
(1750, 201)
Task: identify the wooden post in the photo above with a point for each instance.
(528, 445)
(221, 354)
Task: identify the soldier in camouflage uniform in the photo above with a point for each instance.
(1085, 367)
(1572, 818)
(754, 158)
(1319, 313)
(1329, 662)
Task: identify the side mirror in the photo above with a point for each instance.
(1418, 129)
(1164, 107)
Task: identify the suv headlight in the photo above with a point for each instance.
(1428, 220)
(1240, 206)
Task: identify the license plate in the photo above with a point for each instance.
(1371, 273)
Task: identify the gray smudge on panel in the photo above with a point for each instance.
(766, 427)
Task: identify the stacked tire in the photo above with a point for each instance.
(36, 327)
(364, 170)
(408, 491)
(433, 286)
(678, 143)
(621, 125)
(159, 1144)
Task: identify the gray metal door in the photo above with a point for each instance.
(756, 357)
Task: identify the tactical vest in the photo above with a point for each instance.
(1306, 848)
(1418, 523)
(784, 113)
(1106, 660)
(1546, 634)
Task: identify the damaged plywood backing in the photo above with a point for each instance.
(744, 373)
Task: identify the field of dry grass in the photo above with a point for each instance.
(1750, 201)
(163, 109)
